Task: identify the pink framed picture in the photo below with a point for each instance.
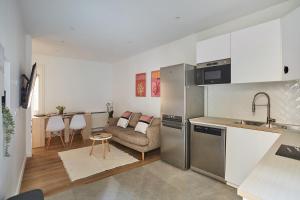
(140, 85)
(155, 83)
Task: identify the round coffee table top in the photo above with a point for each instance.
(101, 136)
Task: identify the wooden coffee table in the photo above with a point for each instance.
(103, 138)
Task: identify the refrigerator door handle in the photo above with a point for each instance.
(172, 125)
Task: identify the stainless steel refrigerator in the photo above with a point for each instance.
(180, 100)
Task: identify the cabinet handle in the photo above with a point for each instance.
(286, 69)
(212, 63)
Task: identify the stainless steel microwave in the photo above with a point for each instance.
(217, 72)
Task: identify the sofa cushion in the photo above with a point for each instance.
(155, 122)
(134, 119)
(143, 124)
(124, 119)
(116, 130)
(134, 138)
(123, 123)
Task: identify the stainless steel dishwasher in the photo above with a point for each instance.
(208, 148)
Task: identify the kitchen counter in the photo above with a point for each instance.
(274, 177)
(215, 121)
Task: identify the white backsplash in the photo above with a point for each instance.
(235, 101)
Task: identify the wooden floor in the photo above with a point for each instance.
(45, 170)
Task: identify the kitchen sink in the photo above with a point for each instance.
(286, 126)
(273, 125)
(252, 123)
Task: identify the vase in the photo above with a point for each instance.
(110, 114)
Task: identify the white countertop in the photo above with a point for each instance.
(224, 122)
(274, 177)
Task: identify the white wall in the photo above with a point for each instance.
(28, 60)
(179, 51)
(12, 37)
(79, 85)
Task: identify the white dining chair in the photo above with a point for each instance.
(77, 123)
(55, 127)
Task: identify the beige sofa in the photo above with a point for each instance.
(135, 140)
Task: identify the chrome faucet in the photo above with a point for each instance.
(269, 119)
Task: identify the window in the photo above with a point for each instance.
(35, 98)
(37, 103)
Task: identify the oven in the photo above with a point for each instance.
(217, 72)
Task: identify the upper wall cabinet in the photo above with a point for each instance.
(256, 54)
(291, 45)
(216, 48)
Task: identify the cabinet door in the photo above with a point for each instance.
(244, 149)
(212, 49)
(38, 132)
(291, 45)
(256, 54)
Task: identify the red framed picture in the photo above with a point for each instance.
(155, 83)
(140, 85)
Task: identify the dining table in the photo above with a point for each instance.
(39, 123)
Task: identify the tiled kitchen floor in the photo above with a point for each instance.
(153, 181)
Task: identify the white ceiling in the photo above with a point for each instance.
(110, 30)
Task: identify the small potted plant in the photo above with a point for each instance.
(8, 128)
(110, 111)
(60, 109)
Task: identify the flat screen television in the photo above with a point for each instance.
(27, 85)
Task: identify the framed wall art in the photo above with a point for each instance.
(155, 83)
(140, 85)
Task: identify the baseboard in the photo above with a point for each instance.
(232, 185)
(21, 176)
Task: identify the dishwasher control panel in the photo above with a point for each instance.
(207, 130)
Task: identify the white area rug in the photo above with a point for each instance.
(79, 164)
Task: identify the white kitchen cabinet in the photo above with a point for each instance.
(291, 45)
(244, 149)
(256, 53)
(213, 49)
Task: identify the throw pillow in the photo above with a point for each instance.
(124, 119)
(143, 123)
(134, 119)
